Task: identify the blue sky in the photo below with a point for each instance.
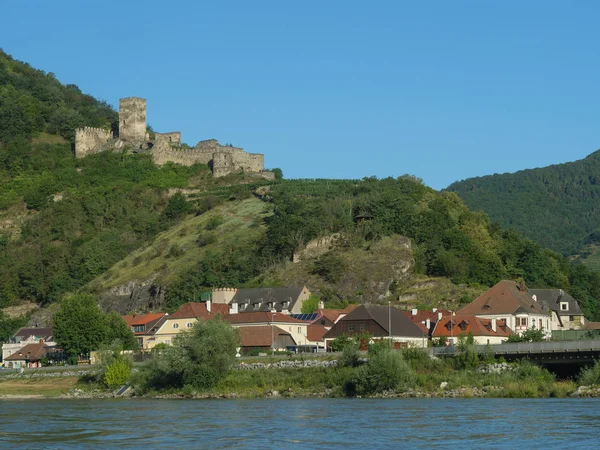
(444, 90)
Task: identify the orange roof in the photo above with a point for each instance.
(141, 319)
(260, 317)
(465, 324)
(260, 336)
(330, 314)
(315, 332)
(505, 297)
(423, 314)
(197, 310)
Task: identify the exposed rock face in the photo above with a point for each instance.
(317, 247)
(133, 296)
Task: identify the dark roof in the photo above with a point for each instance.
(198, 310)
(261, 336)
(31, 352)
(264, 296)
(505, 297)
(552, 299)
(261, 317)
(42, 332)
(401, 325)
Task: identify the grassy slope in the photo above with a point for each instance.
(154, 259)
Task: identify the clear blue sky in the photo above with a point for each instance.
(444, 90)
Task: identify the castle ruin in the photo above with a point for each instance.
(166, 147)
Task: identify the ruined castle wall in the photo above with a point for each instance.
(132, 119)
(173, 137)
(165, 152)
(208, 146)
(90, 140)
(223, 164)
(248, 162)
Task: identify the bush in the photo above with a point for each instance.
(385, 371)
(214, 222)
(206, 239)
(590, 376)
(117, 373)
(349, 356)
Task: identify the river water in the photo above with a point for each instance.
(300, 423)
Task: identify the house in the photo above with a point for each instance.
(166, 328)
(29, 356)
(141, 325)
(510, 303)
(287, 300)
(484, 331)
(383, 322)
(265, 338)
(426, 319)
(25, 336)
(296, 328)
(324, 316)
(566, 313)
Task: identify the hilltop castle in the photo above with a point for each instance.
(164, 147)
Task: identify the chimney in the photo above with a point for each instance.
(522, 286)
(434, 309)
(428, 324)
(208, 305)
(414, 312)
(440, 315)
(494, 325)
(321, 304)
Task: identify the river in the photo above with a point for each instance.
(300, 423)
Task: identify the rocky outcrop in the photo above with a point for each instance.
(133, 296)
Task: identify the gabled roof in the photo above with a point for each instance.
(31, 352)
(505, 297)
(422, 315)
(261, 336)
(141, 319)
(263, 296)
(465, 324)
(315, 332)
(40, 333)
(262, 317)
(552, 298)
(198, 310)
(382, 315)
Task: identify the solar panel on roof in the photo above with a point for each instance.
(306, 317)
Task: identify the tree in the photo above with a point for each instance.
(310, 305)
(80, 326)
(199, 358)
(118, 330)
(531, 335)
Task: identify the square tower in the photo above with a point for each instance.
(132, 119)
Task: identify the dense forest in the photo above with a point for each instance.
(556, 206)
(66, 222)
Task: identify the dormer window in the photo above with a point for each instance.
(271, 305)
(256, 306)
(564, 306)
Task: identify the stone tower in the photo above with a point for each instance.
(132, 119)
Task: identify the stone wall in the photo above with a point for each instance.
(174, 137)
(90, 140)
(132, 119)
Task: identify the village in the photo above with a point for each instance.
(270, 320)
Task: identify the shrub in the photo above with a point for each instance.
(117, 373)
(590, 376)
(214, 222)
(206, 239)
(349, 356)
(385, 371)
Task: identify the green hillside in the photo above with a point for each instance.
(556, 206)
(102, 222)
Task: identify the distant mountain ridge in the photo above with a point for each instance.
(557, 206)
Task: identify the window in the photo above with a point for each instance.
(571, 318)
(564, 306)
(541, 326)
(189, 325)
(256, 306)
(350, 327)
(299, 330)
(167, 341)
(139, 328)
(140, 342)
(521, 321)
(175, 325)
(362, 327)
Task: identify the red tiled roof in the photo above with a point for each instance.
(260, 336)
(505, 297)
(330, 314)
(315, 332)
(423, 314)
(348, 309)
(261, 317)
(198, 310)
(141, 319)
(31, 352)
(465, 324)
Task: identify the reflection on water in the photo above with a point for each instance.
(297, 423)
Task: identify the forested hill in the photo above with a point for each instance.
(556, 206)
(32, 101)
(113, 220)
